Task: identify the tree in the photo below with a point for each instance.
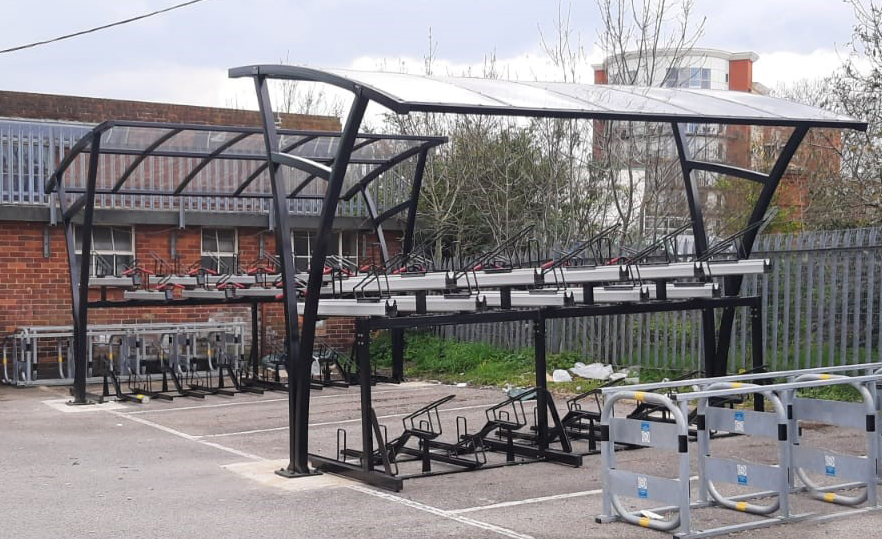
(628, 163)
(841, 171)
(857, 91)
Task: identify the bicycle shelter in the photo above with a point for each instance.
(404, 94)
(284, 165)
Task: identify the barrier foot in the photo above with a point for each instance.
(291, 474)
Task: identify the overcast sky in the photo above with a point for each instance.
(182, 56)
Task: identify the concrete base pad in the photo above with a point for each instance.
(61, 405)
(264, 472)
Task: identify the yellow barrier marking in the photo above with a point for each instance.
(639, 396)
(825, 377)
(736, 385)
(829, 497)
(59, 359)
(741, 506)
(644, 521)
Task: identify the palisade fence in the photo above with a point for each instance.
(822, 305)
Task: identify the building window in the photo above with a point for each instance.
(113, 249)
(343, 244)
(687, 77)
(301, 244)
(220, 250)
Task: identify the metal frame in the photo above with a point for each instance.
(85, 203)
(782, 425)
(715, 354)
(365, 470)
(299, 345)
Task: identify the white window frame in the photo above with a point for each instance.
(114, 252)
(218, 254)
(337, 250)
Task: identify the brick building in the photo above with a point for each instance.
(740, 146)
(35, 132)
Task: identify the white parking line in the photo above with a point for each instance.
(540, 499)
(441, 513)
(261, 401)
(527, 501)
(185, 436)
(326, 423)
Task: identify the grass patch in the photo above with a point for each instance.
(430, 357)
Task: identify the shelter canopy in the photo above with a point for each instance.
(404, 93)
(169, 159)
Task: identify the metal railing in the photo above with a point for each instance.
(822, 305)
(30, 151)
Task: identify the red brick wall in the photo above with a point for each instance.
(741, 75)
(35, 291)
(96, 110)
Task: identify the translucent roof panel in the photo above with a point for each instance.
(404, 93)
(204, 160)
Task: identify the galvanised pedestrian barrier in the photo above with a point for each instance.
(796, 459)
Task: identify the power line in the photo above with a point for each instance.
(104, 27)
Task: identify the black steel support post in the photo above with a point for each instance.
(416, 185)
(693, 200)
(363, 355)
(757, 348)
(733, 285)
(79, 277)
(377, 223)
(298, 463)
(255, 341)
(398, 344)
(302, 374)
(541, 383)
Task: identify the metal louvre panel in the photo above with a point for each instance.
(258, 292)
(763, 424)
(592, 275)
(736, 472)
(441, 304)
(143, 294)
(650, 487)
(614, 294)
(844, 414)
(205, 294)
(644, 433)
(674, 291)
(818, 461)
(736, 267)
(521, 298)
(351, 307)
(515, 277)
(683, 270)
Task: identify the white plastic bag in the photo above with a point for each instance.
(560, 375)
(594, 371)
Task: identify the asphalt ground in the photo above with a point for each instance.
(204, 468)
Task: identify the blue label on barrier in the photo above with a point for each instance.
(741, 470)
(739, 421)
(830, 465)
(645, 436)
(642, 491)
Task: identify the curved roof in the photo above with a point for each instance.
(169, 159)
(404, 93)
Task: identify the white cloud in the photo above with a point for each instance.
(779, 67)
